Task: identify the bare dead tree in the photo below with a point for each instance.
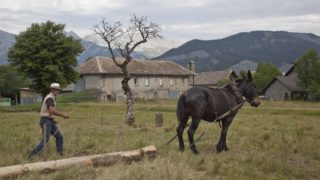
(126, 40)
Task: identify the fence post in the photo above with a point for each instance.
(159, 119)
(45, 152)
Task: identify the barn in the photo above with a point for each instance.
(285, 87)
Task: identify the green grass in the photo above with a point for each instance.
(265, 143)
(77, 97)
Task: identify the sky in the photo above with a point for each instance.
(179, 19)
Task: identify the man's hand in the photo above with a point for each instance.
(53, 111)
(65, 116)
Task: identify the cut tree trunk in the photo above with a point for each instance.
(107, 159)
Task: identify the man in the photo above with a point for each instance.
(47, 113)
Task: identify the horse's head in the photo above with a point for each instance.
(247, 89)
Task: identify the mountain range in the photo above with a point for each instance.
(95, 46)
(239, 52)
(153, 48)
(6, 41)
(244, 50)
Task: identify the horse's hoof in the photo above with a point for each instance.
(219, 149)
(195, 152)
(226, 148)
(181, 149)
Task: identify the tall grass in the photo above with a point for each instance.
(265, 143)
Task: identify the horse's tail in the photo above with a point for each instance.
(181, 107)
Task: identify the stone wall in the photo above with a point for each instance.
(146, 87)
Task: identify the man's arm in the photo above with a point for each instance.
(52, 109)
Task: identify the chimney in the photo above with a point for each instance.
(192, 66)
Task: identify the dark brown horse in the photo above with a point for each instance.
(208, 104)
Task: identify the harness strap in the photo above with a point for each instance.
(226, 96)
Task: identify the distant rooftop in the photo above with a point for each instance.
(212, 77)
(105, 65)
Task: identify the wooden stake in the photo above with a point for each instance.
(159, 119)
(45, 152)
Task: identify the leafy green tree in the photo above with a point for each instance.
(243, 74)
(265, 72)
(307, 68)
(45, 54)
(10, 81)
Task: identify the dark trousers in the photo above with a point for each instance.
(51, 129)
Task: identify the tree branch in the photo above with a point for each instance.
(138, 33)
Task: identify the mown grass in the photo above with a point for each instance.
(265, 143)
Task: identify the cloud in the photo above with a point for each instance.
(77, 7)
(183, 19)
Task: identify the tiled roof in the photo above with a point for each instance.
(291, 82)
(105, 65)
(212, 77)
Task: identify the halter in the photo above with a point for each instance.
(239, 94)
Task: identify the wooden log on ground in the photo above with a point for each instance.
(107, 159)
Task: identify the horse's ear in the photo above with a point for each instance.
(233, 77)
(249, 75)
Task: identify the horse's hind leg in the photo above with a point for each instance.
(193, 127)
(180, 129)
(222, 144)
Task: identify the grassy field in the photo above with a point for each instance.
(280, 140)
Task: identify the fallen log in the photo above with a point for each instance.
(107, 159)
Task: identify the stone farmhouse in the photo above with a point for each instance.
(285, 87)
(150, 78)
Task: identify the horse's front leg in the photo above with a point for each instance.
(222, 144)
(193, 127)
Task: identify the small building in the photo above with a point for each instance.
(5, 101)
(213, 78)
(285, 87)
(28, 96)
(150, 78)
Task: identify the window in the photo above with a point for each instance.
(171, 82)
(160, 82)
(135, 80)
(182, 81)
(147, 81)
